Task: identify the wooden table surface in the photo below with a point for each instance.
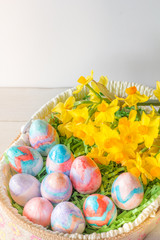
(17, 105)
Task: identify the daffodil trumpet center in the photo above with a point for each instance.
(131, 90)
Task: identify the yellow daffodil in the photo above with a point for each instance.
(106, 112)
(108, 140)
(133, 97)
(97, 156)
(80, 115)
(103, 80)
(90, 131)
(137, 168)
(83, 81)
(155, 147)
(129, 130)
(118, 150)
(149, 129)
(63, 109)
(105, 134)
(68, 104)
(157, 91)
(86, 132)
(153, 114)
(78, 131)
(66, 129)
(153, 166)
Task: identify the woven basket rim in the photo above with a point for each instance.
(48, 234)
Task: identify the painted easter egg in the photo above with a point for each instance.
(24, 187)
(99, 210)
(24, 159)
(127, 191)
(38, 210)
(85, 175)
(60, 159)
(42, 136)
(67, 218)
(56, 187)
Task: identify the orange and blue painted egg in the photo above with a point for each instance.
(85, 175)
(99, 210)
(42, 136)
(67, 218)
(24, 187)
(56, 187)
(127, 191)
(38, 210)
(24, 159)
(60, 159)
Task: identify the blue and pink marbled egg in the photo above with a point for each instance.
(60, 159)
(24, 159)
(85, 175)
(38, 210)
(24, 187)
(42, 136)
(56, 187)
(127, 191)
(67, 218)
(99, 210)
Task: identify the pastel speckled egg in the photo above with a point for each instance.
(24, 187)
(99, 210)
(127, 191)
(56, 187)
(67, 218)
(85, 175)
(42, 136)
(60, 159)
(24, 159)
(38, 210)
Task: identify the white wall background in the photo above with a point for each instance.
(50, 43)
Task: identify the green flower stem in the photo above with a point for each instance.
(157, 153)
(82, 102)
(90, 88)
(106, 100)
(144, 150)
(155, 146)
(92, 111)
(149, 102)
(138, 115)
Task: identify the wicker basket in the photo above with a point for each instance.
(16, 227)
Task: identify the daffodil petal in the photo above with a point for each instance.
(79, 88)
(69, 102)
(132, 115)
(58, 108)
(103, 80)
